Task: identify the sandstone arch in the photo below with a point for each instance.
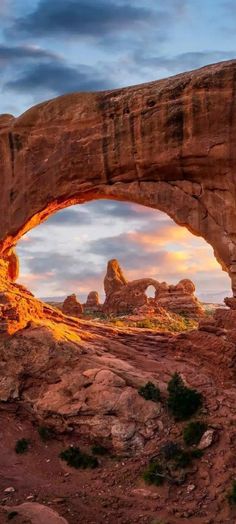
(169, 144)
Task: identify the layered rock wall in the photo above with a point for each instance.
(169, 145)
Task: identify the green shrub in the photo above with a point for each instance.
(22, 446)
(46, 433)
(77, 459)
(12, 515)
(170, 450)
(153, 474)
(232, 494)
(192, 433)
(183, 459)
(183, 402)
(196, 453)
(98, 449)
(150, 392)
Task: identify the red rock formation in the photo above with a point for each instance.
(179, 298)
(72, 307)
(32, 513)
(92, 304)
(160, 144)
(114, 279)
(130, 297)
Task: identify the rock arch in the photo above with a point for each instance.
(169, 144)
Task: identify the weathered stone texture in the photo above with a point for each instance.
(124, 297)
(169, 144)
(72, 307)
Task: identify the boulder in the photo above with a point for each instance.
(92, 304)
(34, 513)
(72, 307)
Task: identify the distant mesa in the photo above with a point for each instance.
(123, 297)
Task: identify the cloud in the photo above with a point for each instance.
(80, 18)
(70, 217)
(58, 78)
(181, 62)
(23, 53)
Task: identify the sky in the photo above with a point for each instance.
(48, 48)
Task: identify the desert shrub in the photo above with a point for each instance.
(196, 453)
(150, 392)
(170, 450)
(12, 515)
(22, 446)
(77, 459)
(153, 474)
(232, 494)
(183, 402)
(183, 459)
(98, 449)
(192, 433)
(46, 433)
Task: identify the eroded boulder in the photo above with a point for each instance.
(32, 513)
(92, 304)
(72, 307)
(180, 298)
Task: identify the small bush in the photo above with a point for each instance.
(183, 459)
(22, 446)
(150, 392)
(12, 515)
(154, 474)
(196, 453)
(76, 459)
(46, 433)
(183, 402)
(192, 433)
(98, 449)
(232, 494)
(170, 450)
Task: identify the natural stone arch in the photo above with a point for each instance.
(161, 144)
(150, 291)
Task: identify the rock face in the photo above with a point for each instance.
(92, 304)
(124, 297)
(34, 513)
(179, 298)
(72, 307)
(114, 279)
(160, 144)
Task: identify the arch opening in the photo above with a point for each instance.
(146, 242)
(165, 156)
(150, 292)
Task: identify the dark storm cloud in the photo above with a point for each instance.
(22, 53)
(79, 18)
(183, 61)
(57, 77)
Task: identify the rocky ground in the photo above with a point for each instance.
(81, 378)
